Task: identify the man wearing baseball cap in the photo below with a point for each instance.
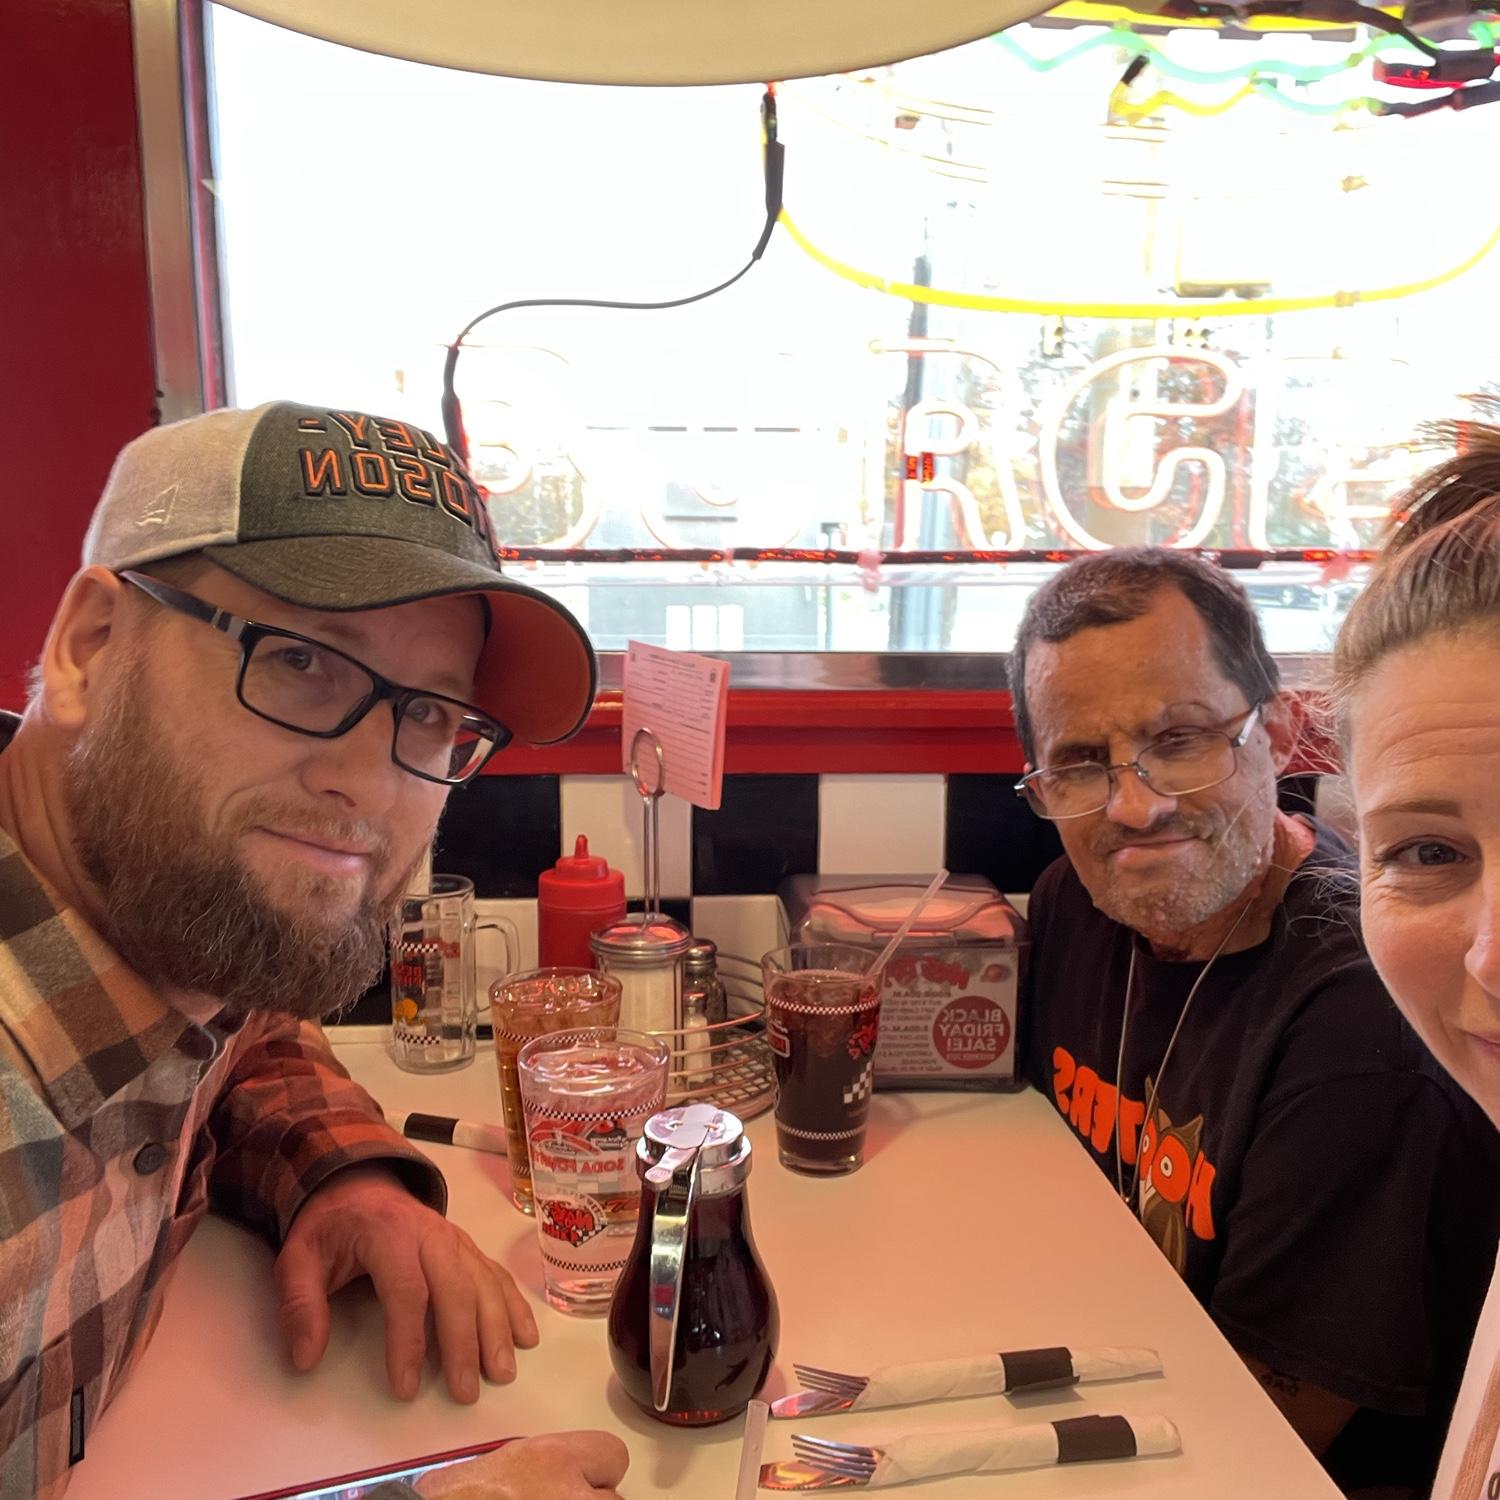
(290, 637)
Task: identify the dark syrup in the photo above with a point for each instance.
(727, 1322)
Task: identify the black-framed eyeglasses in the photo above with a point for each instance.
(1175, 764)
(311, 688)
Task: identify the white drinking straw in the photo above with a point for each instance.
(906, 926)
(756, 1416)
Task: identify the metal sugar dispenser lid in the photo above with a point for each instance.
(641, 939)
(645, 948)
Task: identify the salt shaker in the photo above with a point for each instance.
(696, 1068)
(644, 952)
(700, 972)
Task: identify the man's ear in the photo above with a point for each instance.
(74, 660)
(1284, 717)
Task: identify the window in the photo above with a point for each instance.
(1149, 386)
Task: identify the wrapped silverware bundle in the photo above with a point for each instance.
(825, 1465)
(949, 1379)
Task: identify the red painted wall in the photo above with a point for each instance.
(76, 380)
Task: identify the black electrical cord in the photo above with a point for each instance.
(1472, 97)
(1346, 12)
(452, 409)
(1338, 12)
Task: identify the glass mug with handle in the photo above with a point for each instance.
(434, 1005)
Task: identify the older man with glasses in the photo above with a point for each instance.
(290, 638)
(1202, 1011)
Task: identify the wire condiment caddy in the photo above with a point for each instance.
(725, 1061)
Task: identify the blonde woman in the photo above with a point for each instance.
(1417, 679)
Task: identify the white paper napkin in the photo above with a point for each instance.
(991, 1374)
(928, 1455)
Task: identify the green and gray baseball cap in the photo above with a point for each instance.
(339, 510)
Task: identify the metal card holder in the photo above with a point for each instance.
(727, 1062)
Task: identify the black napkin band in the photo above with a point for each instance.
(435, 1128)
(1037, 1369)
(1081, 1439)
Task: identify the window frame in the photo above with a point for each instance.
(789, 711)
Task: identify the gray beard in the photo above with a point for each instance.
(1161, 915)
(1239, 855)
(179, 906)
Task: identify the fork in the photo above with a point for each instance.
(1005, 1373)
(825, 1391)
(822, 1463)
(834, 1382)
(854, 1460)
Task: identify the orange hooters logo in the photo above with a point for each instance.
(1176, 1178)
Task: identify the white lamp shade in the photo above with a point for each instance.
(647, 41)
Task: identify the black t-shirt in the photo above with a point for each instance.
(1322, 1186)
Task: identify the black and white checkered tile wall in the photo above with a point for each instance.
(720, 870)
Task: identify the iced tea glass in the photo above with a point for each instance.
(536, 1004)
(587, 1095)
(822, 1020)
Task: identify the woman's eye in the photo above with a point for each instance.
(1428, 854)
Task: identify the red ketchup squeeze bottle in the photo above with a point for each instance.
(579, 893)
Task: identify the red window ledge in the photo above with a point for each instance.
(877, 731)
(785, 731)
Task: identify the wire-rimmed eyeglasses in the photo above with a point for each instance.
(1175, 764)
(301, 684)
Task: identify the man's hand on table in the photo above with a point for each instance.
(560, 1466)
(363, 1222)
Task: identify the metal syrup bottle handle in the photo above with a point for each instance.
(669, 1229)
(669, 1232)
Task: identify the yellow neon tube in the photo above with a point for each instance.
(1258, 308)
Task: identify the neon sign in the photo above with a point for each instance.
(1097, 464)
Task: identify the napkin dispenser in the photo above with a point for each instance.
(949, 1007)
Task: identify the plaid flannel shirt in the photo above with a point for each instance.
(122, 1119)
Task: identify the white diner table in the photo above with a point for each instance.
(977, 1224)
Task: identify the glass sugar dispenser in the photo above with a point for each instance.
(644, 952)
